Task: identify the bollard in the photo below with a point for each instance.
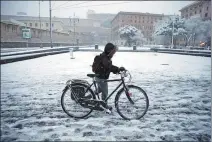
(71, 53)
(96, 46)
(134, 47)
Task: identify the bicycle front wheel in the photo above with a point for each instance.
(133, 107)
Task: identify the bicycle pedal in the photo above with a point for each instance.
(108, 111)
(105, 110)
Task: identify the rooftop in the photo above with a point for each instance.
(137, 13)
(24, 18)
(12, 22)
(196, 2)
(65, 21)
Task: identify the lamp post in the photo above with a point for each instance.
(172, 46)
(50, 12)
(75, 20)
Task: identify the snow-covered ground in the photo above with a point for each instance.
(7, 50)
(178, 87)
(31, 50)
(127, 48)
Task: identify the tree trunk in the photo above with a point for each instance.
(189, 42)
(174, 41)
(194, 40)
(186, 41)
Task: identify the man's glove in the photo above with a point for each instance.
(122, 69)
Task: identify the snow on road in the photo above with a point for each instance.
(178, 87)
(9, 50)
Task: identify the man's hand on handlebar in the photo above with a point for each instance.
(122, 69)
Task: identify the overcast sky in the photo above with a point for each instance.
(68, 8)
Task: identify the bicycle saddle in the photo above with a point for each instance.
(93, 75)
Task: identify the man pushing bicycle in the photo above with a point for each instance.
(102, 66)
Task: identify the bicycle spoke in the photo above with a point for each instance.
(136, 110)
(70, 102)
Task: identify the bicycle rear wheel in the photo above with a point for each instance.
(135, 109)
(69, 102)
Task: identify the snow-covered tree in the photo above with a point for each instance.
(138, 38)
(197, 29)
(94, 37)
(131, 34)
(165, 28)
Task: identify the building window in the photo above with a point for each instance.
(130, 20)
(182, 16)
(195, 12)
(200, 5)
(207, 8)
(186, 10)
(122, 20)
(143, 21)
(30, 24)
(36, 24)
(34, 33)
(8, 28)
(190, 8)
(135, 21)
(200, 11)
(52, 24)
(13, 29)
(206, 14)
(47, 24)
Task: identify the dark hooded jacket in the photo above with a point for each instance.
(106, 64)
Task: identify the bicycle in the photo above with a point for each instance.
(90, 100)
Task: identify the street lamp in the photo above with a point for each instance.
(172, 46)
(75, 20)
(50, 13)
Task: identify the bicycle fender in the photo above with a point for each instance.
(65, 88)
(122, 89)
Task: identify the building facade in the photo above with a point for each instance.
(197, 8)
(44, 24)
(36, 22)
(104, 18)
(142, 21)
(11, 32)
(81, 30)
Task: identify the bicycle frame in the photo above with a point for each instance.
(113, 80)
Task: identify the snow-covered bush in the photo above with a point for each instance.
(131, 34)
(191, 29)
(197, 29)
(165, 28)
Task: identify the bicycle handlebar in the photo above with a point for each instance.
(125, 73)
